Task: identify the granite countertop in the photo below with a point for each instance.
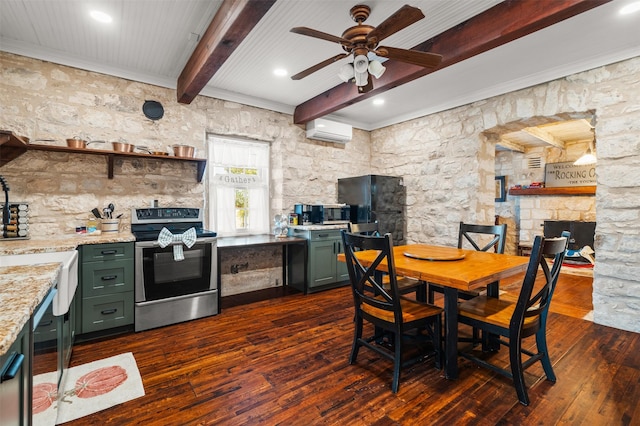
(318, 227)
(22, 288)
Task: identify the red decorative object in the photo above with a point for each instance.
(100, 381)
(43, 396)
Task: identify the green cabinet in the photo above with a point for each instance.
(106, 283)
(15, 385)
(323, 270)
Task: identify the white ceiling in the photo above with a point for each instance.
(151, 40)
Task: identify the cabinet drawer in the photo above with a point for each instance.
(102, 278)
(103, 252)
(333, 234)
(104, 312)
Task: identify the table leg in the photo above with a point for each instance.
(451, 332)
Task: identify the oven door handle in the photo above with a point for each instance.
(146, 244)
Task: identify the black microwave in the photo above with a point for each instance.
(330, 214)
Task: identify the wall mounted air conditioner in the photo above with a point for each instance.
(330, 131)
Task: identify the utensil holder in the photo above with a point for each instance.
(110, 225)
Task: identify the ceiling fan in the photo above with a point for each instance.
(362, 39)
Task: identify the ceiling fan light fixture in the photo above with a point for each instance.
(362, 78)
(376, 69)
(360, 64)
(346, 73)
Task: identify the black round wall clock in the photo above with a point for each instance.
(153, 110)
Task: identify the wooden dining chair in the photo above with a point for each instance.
(405, 284)
(523, 318)
(390, 312)
(480, 238)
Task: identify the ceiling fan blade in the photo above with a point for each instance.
(316, 67)
(319, 34)
(415, 57)
(403, 17)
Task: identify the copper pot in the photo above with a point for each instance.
(76, 142)
(183, 151)
(122, 146)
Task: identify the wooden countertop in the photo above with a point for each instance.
(22, 288)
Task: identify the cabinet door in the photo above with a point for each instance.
(15, 392)
(322, 263)
(342, 273)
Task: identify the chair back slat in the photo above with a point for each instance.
(366, 282)
(473, 234)
(370, 228)
(544, 251)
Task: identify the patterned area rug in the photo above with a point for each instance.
(88, 388)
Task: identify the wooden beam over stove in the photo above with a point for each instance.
(499, 25)
(232, 23)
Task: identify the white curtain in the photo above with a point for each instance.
(225, 153)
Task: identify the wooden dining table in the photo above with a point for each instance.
(454, 269)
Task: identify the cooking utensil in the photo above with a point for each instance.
(111, 210)
(153, 110)
(183, 151)
(159, 153)
(143, 149)
(76, 142)
(79, 143)
(96, 213)
(122, 146)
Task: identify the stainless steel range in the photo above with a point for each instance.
(175, 266)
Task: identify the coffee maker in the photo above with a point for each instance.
(304, 213)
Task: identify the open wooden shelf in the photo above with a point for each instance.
(13, 146)
(560, 190)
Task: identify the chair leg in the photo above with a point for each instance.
(430, 294)
(357, 335)
(541, 343)
(397, 362)
(515, 358)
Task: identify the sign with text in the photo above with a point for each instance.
(568, 174)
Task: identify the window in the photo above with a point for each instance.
(238, 186)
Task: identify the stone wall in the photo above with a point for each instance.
(447, 164)
(450, 174)
(41, 100)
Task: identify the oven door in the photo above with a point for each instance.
(159, 276)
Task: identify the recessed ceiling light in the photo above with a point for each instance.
(280, 72)
(100, 16)
(630, 8)
(378, 102)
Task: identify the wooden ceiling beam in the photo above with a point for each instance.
(233, 21)
(494, 27)
(544, 136)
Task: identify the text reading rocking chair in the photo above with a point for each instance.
(386, 308)
(521, 319)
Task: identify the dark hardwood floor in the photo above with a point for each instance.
(284, 361)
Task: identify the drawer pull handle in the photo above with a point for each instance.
(323, 235)
(14, 368)
(109, 311)
(109, 278)
(45, 324)
(105, 252)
